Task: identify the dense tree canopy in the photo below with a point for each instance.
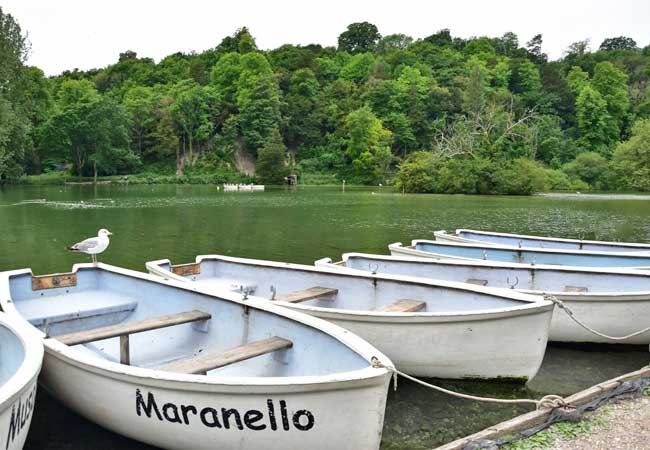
(438, 114)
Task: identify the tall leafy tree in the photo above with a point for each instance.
(360, 37)
(14, 122)
(258, 100)
(271, 165)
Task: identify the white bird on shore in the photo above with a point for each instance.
(93, 246)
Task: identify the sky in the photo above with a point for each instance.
(85, 34)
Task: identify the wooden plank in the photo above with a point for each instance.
(403, 306)
(534, 418)
(578, 289)
(97, 334)
(204, 363)
(125, 350)
(306, 294)
(476, 281)
(58, 280)
(187, 269)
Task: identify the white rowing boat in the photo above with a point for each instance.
(430, 329)
(21, 356)
(178, 368)
(615, 301)
(423, 248)
(522, 240)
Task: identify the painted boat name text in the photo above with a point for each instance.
(253, 419)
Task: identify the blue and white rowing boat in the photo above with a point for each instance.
(178, 368)
(428, 328)
(614, 301)
(465, 236)
(423, 248)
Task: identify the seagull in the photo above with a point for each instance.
(93, 246)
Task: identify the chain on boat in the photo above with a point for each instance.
(560, 304)
(546, 402)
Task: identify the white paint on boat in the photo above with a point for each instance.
(321, 393)
(522, 240)
(424, 248)
(613, 301)
(21, 356)
(458, 334)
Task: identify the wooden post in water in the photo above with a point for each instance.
(343, 185)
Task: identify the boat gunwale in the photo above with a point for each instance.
(630, 296)
(559, 251)
(398, 247)
(545, 238)
(533, 304)
(115, 370)
(31, 364)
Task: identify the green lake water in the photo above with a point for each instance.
(302, 225)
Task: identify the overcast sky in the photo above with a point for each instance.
(84, 34)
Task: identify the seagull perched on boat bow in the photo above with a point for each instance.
(93, 246)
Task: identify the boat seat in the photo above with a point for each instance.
(306, 294)
(123, 330)
(403, 306)
(477, 281)
(204, 363)
(577, 289)
(44, 311)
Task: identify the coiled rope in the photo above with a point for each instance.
(546, 402)
(560, 304)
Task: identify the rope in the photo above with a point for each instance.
(548, 401)
(560, 304)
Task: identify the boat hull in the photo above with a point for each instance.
(506, 254)
(499, 346)
(604, 306)
(18, 393)
(520, 240)
(445, 343)
(177, 415)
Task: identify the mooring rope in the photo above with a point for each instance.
(560, 304)
(546, 402)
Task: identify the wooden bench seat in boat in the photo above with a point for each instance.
(306, 294)
(403, 306)
(204, 363)
(123, 330)
(42, 311)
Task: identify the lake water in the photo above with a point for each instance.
(302, 225)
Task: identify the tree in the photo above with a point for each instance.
(360, 37)
(591, 111)
(393, 42)
(271, 165)
(611, 82)
(191, 111)
(258, 100)
(368, 145)
(534, 47)
(139, 103)
(631, 159)
(618, 43)
(417, 173)
(14, 122)
(87, 127)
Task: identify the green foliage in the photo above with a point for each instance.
(360, 37)
(631, 159)
(478, 115)
(271, 165)
(590, 167)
